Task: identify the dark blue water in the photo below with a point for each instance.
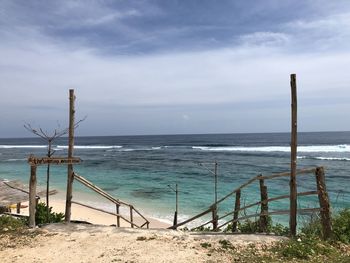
(139, 168)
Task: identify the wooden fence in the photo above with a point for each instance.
(324, 208)
(117, 203)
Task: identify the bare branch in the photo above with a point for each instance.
(56, 133)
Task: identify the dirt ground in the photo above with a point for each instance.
(91, 243)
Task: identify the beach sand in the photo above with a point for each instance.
(91, 243)
(81, 213)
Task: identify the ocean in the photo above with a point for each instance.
(138, 169)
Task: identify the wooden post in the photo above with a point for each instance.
(236, 211)
(18, 208)
(324, 203)
(264, 208)
(32, 196)
(215, 217)
(131, 217)
(70, 177)
(118, 217)
(176, 205)
(293, 157)
(215, 207)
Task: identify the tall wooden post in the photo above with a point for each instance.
(70, 155)
(236, 211)
(215, 207)
(176, 205)
(293, 157)
(32, 196)
(263, 221)
(324, 203)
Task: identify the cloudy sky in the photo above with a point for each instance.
(170, 67)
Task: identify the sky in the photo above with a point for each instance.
(174, 67)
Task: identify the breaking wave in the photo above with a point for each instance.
(307, 149)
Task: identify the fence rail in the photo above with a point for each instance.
(321, 192)
(117, 202)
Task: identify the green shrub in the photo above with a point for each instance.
(341, 226)
(313, 227)
(249, 226)
(41, 215)
(9, 223)
(303, 248)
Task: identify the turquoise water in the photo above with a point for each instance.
(138, 169)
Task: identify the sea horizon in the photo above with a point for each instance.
(138, 169)
(179, 134)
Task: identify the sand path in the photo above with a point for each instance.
(91, 243)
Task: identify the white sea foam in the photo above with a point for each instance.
(21, 146)
(87, 147)
(156, 148)
(14, 160)
(324, 158)
(306, 149)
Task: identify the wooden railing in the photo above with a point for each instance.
(117, 203)
(324, 208)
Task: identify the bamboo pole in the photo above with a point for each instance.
(118, 217)
(264, 208)
(279, 212)
(293, 157)
(99, 191)
(131, 217)
(32, 196)
(104, 211)
(236, 211)
(70, 177)
(324, 203)
(214, 217)
(267, 201)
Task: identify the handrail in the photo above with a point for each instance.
(278, 212)
(250, 181)
(118, 202)
(191, 219)
(107, 212)
(269, 200)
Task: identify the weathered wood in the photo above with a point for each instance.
(305, 171)
(104, 211)
(18, 208)
(136, 211)
(324, 203)
(293, 157)
(236, 210)
(14, 192)
(131, 217)
(214, 217)
(266, 177)
(98, 190)
(118, 217)
(192, 218)
(32, 160)
(70, 176)
(267, 201)
(264, 208)
(32, 196)
(279, 212)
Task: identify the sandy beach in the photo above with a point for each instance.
(81, 213)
